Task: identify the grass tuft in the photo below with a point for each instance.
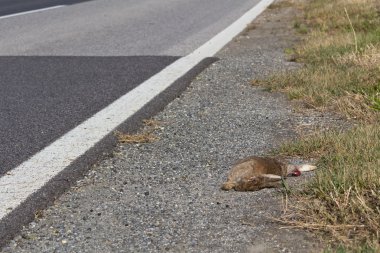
(344, 198)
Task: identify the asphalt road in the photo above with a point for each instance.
(60, 66)
(43, 97)
(51, 95)
(120, 27)
(8, 7)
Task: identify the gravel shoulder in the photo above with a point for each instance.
(165, 195)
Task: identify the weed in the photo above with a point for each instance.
(376, 103)
(289, 51)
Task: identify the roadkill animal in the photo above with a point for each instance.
(255, 173)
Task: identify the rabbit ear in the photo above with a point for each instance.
(254, 179)
(271, 177)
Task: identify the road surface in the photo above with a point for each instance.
(60, 64)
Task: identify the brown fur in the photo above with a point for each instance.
(255, 173)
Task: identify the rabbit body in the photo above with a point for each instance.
(255, 173)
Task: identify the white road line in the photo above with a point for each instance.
(34, 173)
(33, 11)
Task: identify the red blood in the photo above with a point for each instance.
(295, 173)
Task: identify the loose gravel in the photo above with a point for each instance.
(165, 195)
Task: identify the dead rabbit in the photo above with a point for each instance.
(255, 173)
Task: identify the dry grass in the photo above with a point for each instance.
(135, 138)
(155, 124)
(341, 55)
(350, 89)
(344, 198)
(146, 136)
(341, 72)
(369, 58)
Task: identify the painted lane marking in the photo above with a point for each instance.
(21, 182)
(32, 11)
